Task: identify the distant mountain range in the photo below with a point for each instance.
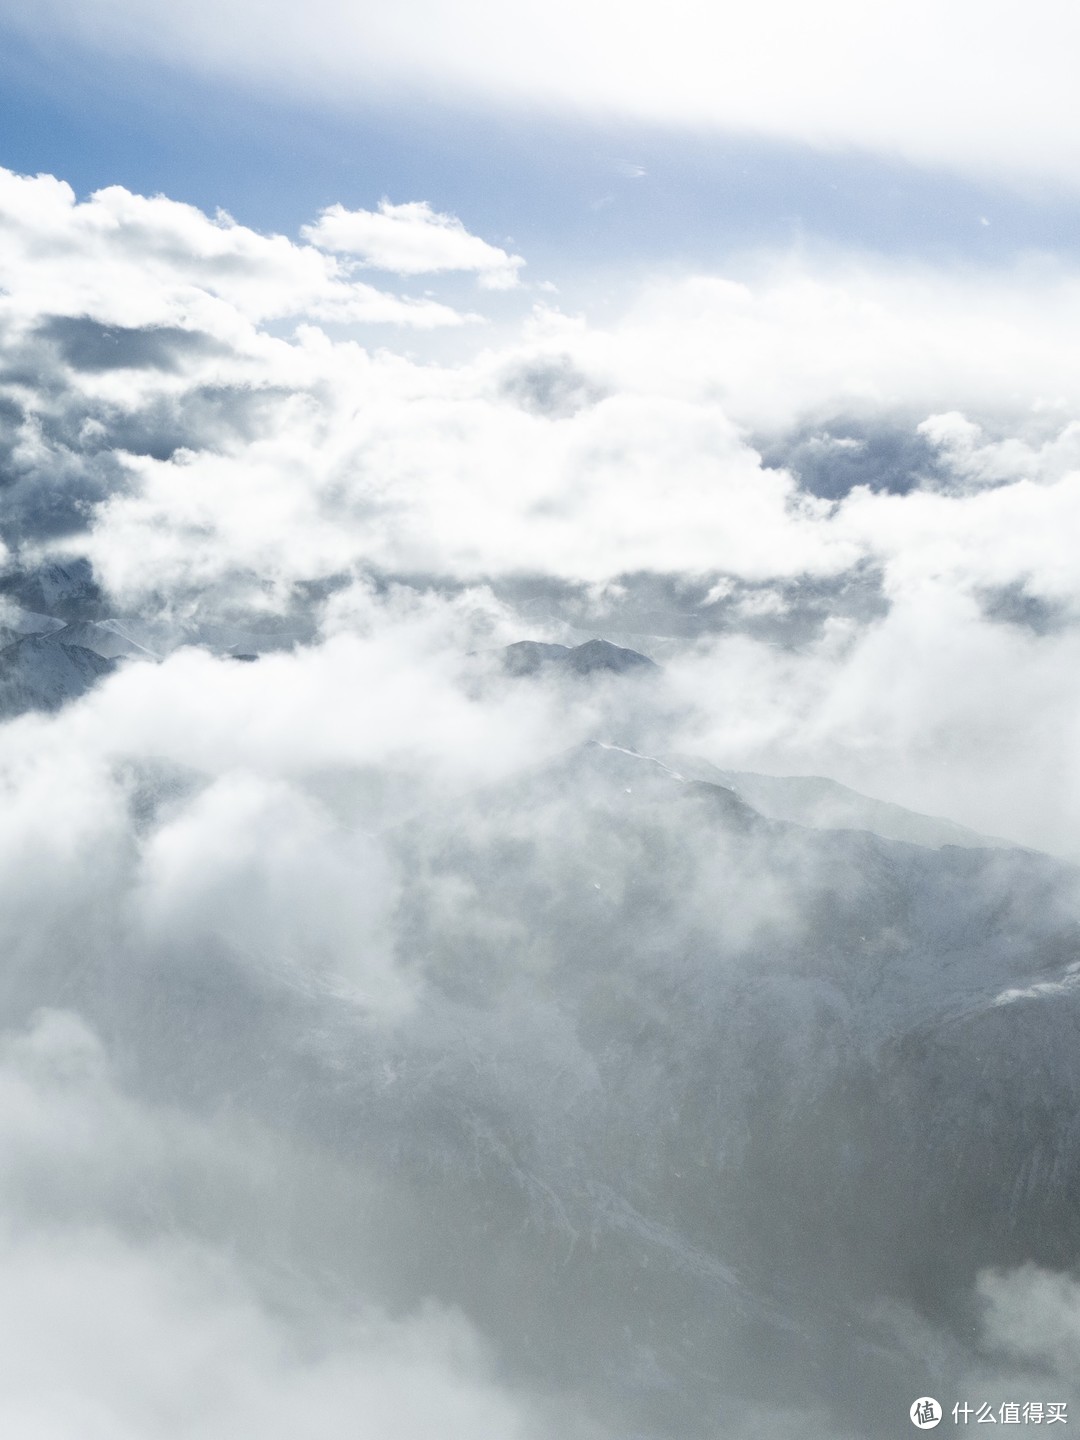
(825, 804)
(47, 661)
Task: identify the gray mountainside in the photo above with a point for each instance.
(52, 646)
(532, 657)
(43, 672)
(709, 1077)
(825, 804)
(57, 638)
(726, 1083)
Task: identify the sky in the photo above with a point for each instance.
(368, 342)
(584, 187)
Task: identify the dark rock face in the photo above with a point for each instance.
(40, 672)
(64, 589)
(597, 655)
(529, 657)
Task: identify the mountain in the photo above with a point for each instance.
(66, 589)
(530, 657)
(691, 1102)
(41, 672)
(107, 638)
(749, 1076)
(825, 804)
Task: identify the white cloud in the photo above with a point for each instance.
(995, 89)
(793, 337)
(131, 260)
(469, 487)
(113, 1341)
(256, 865)
(1034, 1316)
(412, 239)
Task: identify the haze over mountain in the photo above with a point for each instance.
(679, 1087)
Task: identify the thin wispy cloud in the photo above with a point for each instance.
(994, 94)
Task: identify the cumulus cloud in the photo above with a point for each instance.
(140, 261)
(412, 239)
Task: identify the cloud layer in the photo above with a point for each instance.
(881, 461)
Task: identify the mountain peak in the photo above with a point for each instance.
(528, 657)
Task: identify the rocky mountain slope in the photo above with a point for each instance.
(687, 1095)
(44, 672)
